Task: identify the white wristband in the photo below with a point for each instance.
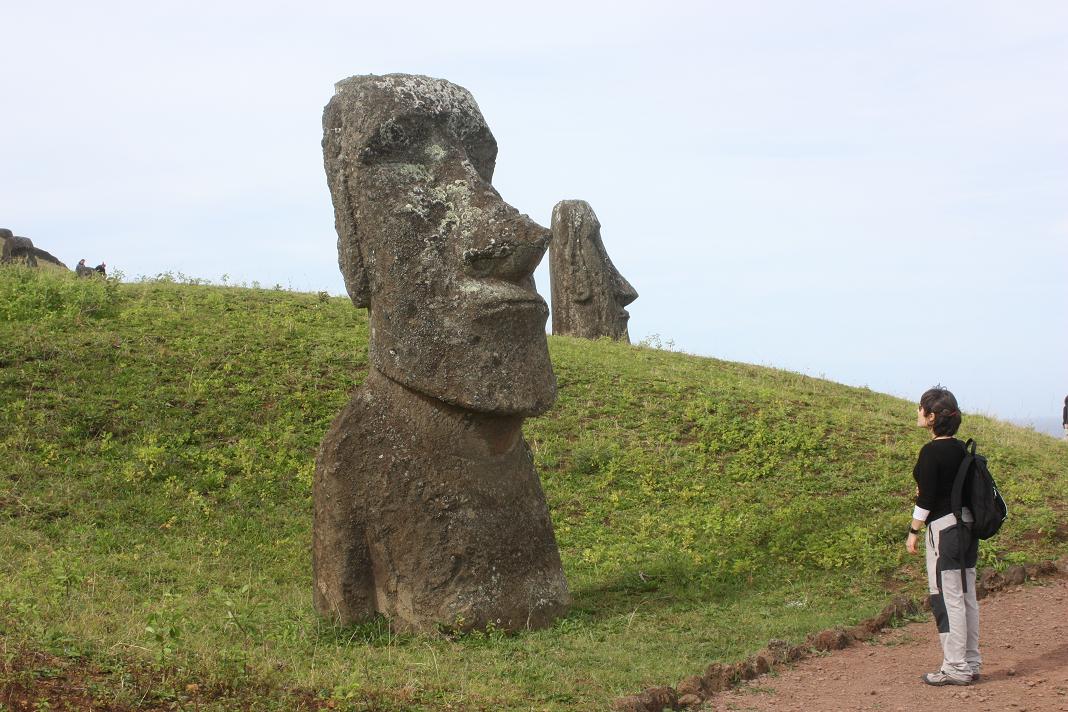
(920, 514)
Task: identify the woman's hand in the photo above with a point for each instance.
(910, 543)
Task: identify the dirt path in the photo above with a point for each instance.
(1023, 639)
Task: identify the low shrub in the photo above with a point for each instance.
(30, 294)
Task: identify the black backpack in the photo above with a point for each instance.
(986, 503)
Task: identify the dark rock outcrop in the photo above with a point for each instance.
(43, 256)
(589, 293)
(15, 248)
(427, 505)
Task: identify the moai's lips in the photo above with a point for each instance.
(499, 294)
(512, 259)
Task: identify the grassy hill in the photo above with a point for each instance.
(157, 445)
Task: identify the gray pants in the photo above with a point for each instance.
(956, 612)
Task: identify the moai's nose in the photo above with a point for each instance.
(505, 244)
(624, 292)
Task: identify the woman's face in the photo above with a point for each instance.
(923, 418)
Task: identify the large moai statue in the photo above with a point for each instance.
(427, 505)
(589, 293)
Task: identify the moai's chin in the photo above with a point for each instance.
(501, 364)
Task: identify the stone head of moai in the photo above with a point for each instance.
(589, 293)
(425, 242)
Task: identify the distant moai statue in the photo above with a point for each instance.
(16, 248)
(589, 293)
(428, 508)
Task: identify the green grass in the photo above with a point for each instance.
(157, 445)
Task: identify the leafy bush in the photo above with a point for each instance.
(29, 294)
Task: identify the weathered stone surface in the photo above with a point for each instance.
(862, 631)
(589, 293)
(761, 664)
(991, 580)
(424, 236)
(656, 699)
(899, 607)
(777, 651)
(427, 505)
(1040, 569)
(1062, 565)
(831, 639)
(1015, 575)
(48, 258)
(630, 703)
(693, 685)
(745, 670)
(718, 677)
(16, 249)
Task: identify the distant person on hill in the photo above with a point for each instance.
(953, 603)
(102, 269)
(82, 269)
(1064, 418)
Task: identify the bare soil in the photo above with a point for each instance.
(1023, 640)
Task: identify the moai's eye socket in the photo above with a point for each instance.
(393, 135)
(390, 140)
(481, 150)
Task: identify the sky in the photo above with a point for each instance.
(875, 193)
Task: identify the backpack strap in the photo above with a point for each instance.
(957, 505)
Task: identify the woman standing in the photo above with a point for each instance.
(1064, 418)
(953, 602)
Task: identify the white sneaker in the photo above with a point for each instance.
(939, 679)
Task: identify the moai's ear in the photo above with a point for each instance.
(581, 279)
(576, 259)
(352, 267)
(349, 256)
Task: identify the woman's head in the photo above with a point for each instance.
(939, 411)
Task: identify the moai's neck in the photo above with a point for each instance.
(451, 430)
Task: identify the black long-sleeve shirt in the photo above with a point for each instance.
(936, 468)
